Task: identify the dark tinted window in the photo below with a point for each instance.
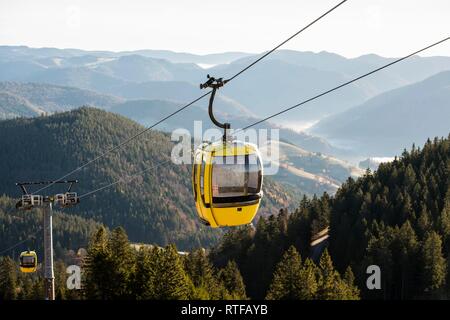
(236, 176)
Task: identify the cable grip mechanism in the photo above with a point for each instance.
(215, 84)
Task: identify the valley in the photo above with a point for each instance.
(144, 86)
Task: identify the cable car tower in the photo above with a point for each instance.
(30, 201)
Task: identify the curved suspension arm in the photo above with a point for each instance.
(215, 84)
(211, 114)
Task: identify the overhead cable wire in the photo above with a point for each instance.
(294, 106)
(287, 40)
(121, 144)
(126, 179)
(33, 235)
(114, 148)
(344, 84)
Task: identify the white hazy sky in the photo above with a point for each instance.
(385, 27)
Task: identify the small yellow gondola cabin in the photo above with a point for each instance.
(28, 261)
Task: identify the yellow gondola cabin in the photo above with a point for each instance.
(226, 175)
(227, 181)
(28, 261)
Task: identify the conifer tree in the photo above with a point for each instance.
(327, 278)
(308, 281)
(285, 284)
(434, 264)
(60, 280)
(37, 289)
(406, 252)
(423, 223)
(172, 281)
(203, 276)
(331, 285)
(380, 254)
(8, 279)
(232, 280)
(25, 287)
(96, 283)
(144, 278)
(444, 225)
(121, 263)
(353, 292)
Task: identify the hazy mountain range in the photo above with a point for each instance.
(283, 79)
(393, 119)
(24, 53)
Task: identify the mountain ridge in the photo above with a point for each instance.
(415, 112)
(32, 99)
(299, 75)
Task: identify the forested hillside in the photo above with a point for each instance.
(156, 207)
(397, 218)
